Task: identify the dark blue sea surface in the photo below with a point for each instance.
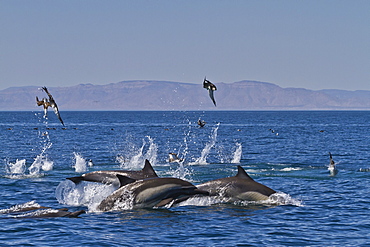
(286, 151)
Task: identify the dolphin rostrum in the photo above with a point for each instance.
(110, 177)
(240, 187)
(210, 87)
(148, 193)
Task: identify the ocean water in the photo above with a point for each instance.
(286, 151)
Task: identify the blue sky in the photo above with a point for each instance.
(316, 44)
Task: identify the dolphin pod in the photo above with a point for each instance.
(110, 177)
(148, 192)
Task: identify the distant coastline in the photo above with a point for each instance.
(141, 95)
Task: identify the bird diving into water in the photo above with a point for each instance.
(51, 103)
(210, 87)
(332, 168)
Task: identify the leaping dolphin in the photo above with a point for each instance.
(52, 104)
(109, 177)
(240, 187)
(210, 87)
(148, 193)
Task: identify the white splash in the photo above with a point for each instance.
(206, 150)
(237, 154)
(80, 163)
(20, 207)
(84, 194)
(138, 159)
(281, 198)
(181, 172)
(289, 169)
(201, 201)
(16, 168)
(41, 162)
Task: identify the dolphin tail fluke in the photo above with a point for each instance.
(123, 180)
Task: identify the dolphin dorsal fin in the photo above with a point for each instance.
(123, 180)
(243, 174)
(148, 170)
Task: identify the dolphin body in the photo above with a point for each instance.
(110, 177)
(240, 187)
(148, 193)
(52, 213)
(34, 210)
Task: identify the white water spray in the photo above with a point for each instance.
(80, 163)
(237, 154)
(206, 150)
(84, 194)
(137, 160)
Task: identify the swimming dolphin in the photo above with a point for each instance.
(148, 193)
(201, 123)
(332, 168)
(28, 206)
(51, 213)
(240, 187)
(53, 104)
(173, 158)
(210, 87)
(109, 177)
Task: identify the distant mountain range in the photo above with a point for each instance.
(165, 95)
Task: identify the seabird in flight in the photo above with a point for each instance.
(210, 87)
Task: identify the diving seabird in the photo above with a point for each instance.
(53, 104)
(332, 169)
(210, 87)
(45, 103)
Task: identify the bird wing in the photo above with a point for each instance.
(210, 91)
(56, 111)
